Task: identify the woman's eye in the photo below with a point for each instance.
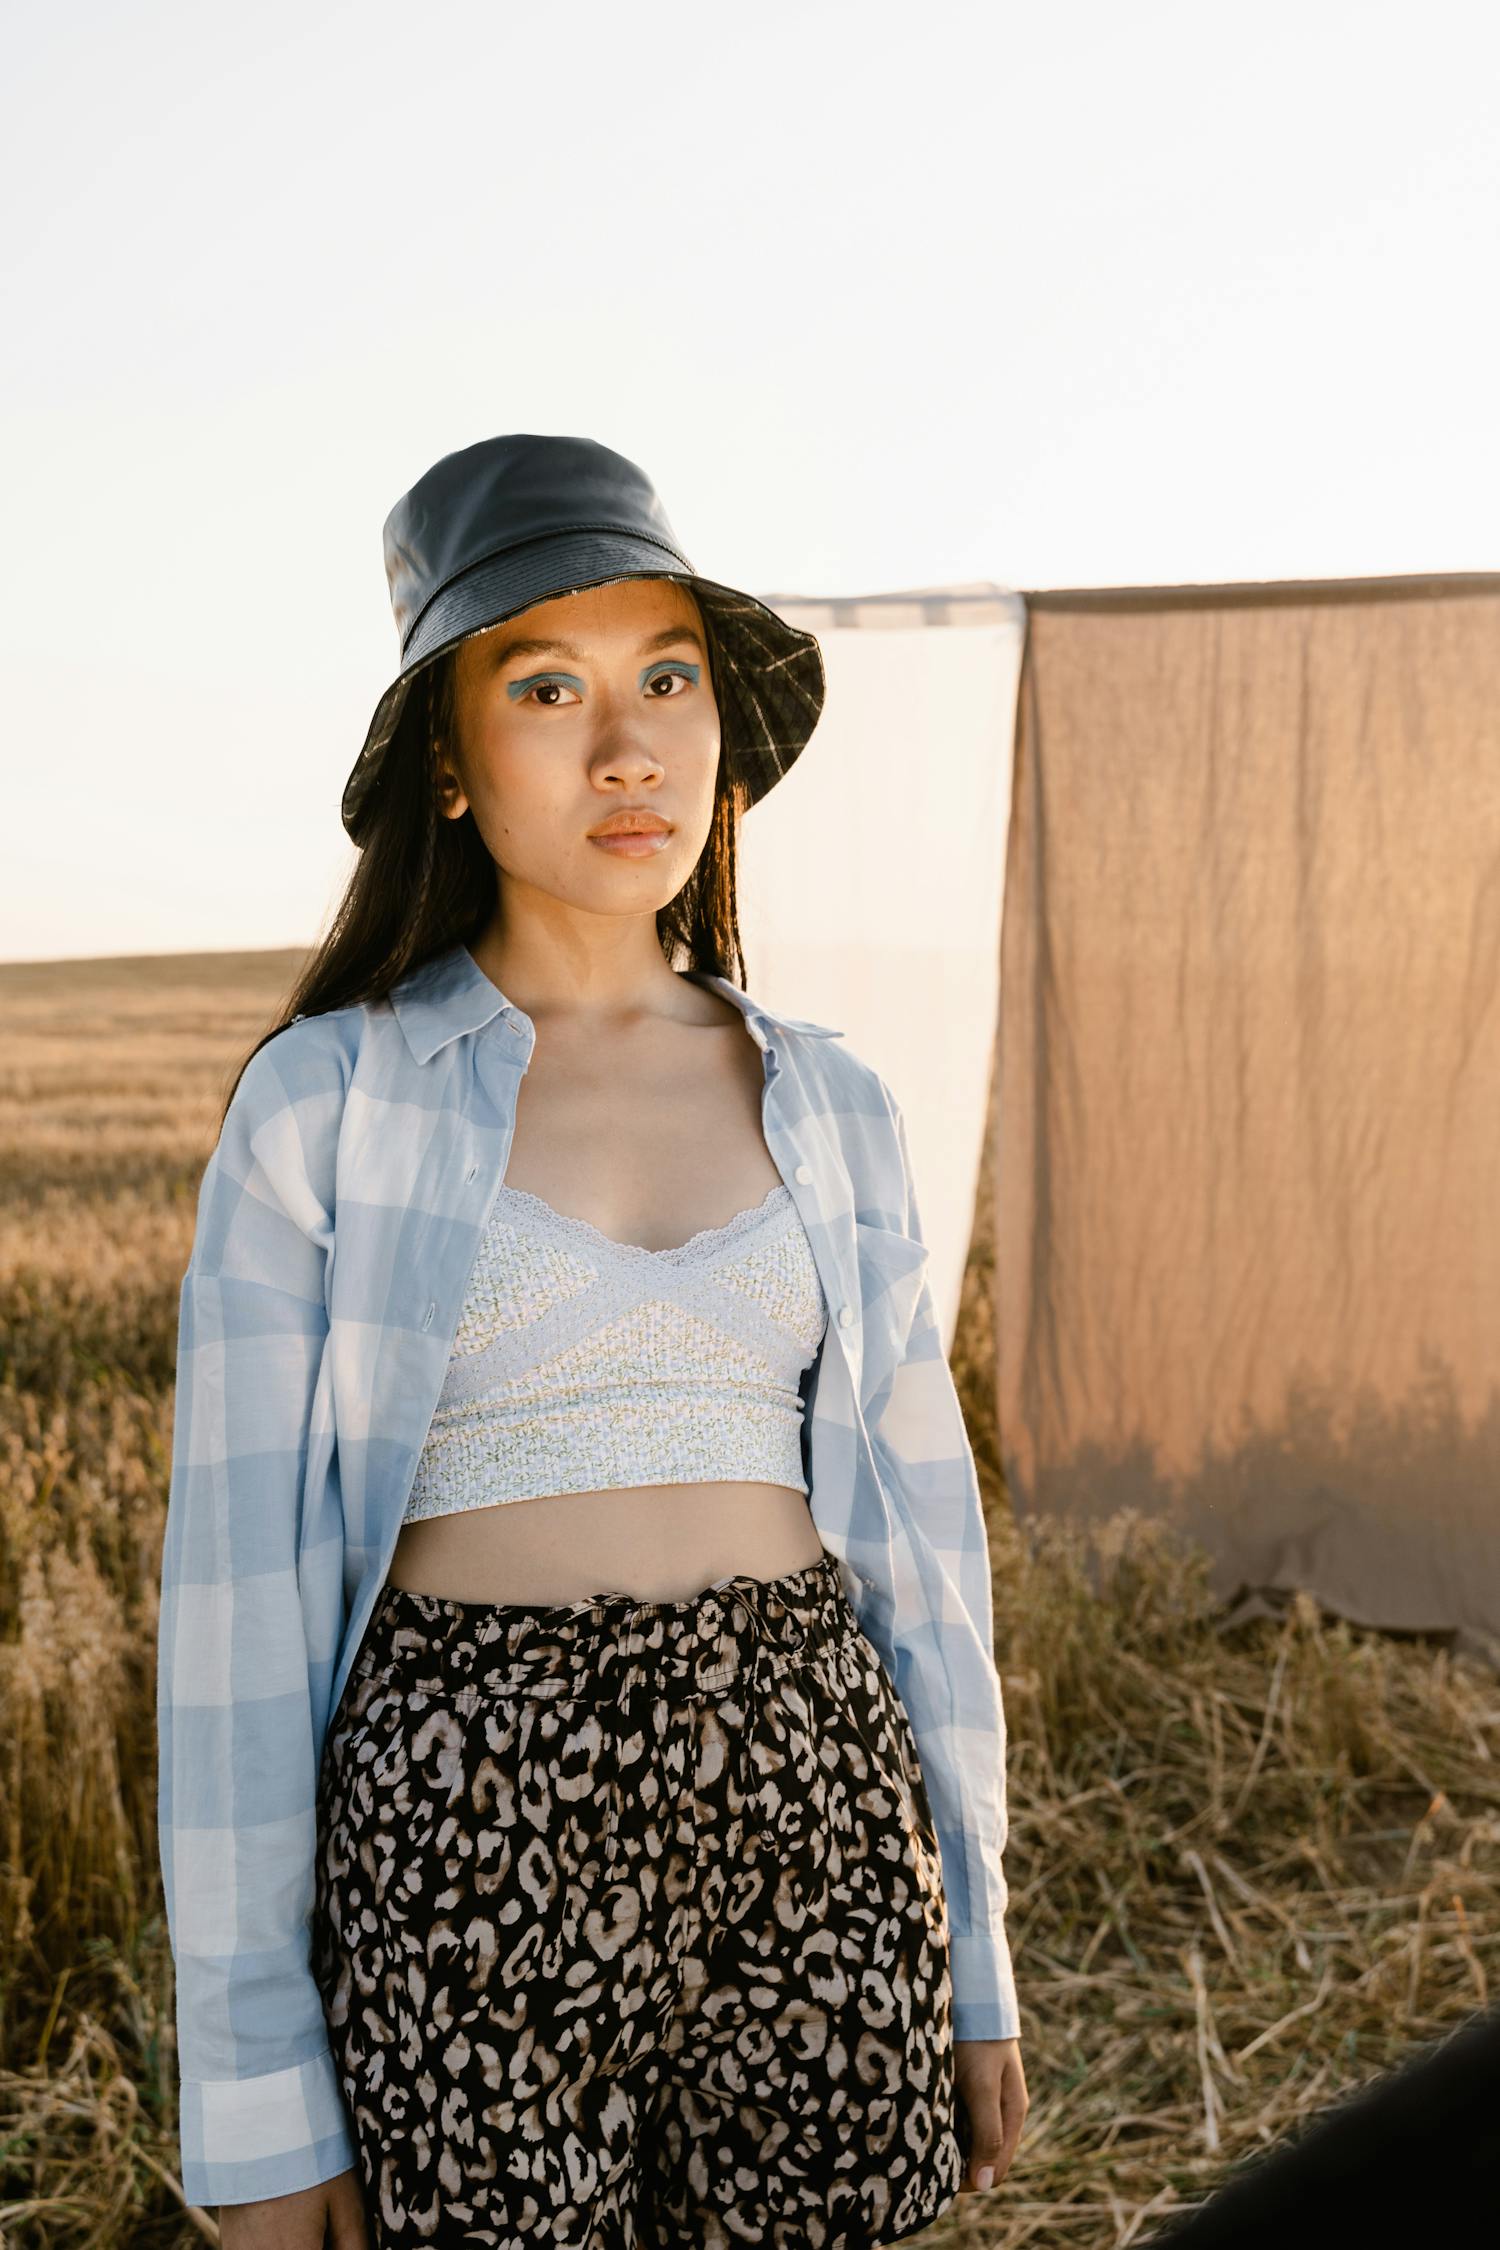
(679, 676)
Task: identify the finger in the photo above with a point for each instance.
(1013, 2118)
(989, 2159)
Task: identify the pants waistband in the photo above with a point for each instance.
(595, 1645)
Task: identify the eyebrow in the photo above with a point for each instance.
(519, 645)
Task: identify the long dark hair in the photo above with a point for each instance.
(423, 883)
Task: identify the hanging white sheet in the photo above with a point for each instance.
(872, 876)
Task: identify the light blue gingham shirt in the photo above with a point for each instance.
(338, 1218)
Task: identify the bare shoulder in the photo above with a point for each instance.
(702, 1010)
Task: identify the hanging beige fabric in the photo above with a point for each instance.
(870, 878)
(1247, 1121)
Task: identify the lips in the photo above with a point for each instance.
(632, 843)
(631, 824)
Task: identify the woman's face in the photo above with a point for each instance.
(594, 704)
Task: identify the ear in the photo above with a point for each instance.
(452, 804)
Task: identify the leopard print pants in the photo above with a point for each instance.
(630, 1926)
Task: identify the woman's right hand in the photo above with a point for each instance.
(330, 2216)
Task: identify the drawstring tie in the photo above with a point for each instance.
(764, 1642)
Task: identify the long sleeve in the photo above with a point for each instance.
(943, 1642)
(244, 1627)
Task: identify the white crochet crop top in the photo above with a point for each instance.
(582, 1363)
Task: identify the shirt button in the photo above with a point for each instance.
(804, 1173)
(846, 1315)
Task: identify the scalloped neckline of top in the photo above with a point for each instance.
(740, 1223)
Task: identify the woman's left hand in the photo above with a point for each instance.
(992, 2089)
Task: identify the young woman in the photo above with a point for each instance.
(582, 1755)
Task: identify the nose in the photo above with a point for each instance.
(626, 740)
(626, 759)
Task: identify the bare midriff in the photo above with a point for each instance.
(656, 1542)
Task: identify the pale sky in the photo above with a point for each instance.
(879, 296)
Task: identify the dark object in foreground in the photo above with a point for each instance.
(1410, 2159)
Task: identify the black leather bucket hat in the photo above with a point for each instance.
(516, 520)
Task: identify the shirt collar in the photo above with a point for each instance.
(761, 1020)
(451, 994)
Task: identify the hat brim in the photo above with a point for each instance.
(771, 681)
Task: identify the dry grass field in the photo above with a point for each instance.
(1250, 1869)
